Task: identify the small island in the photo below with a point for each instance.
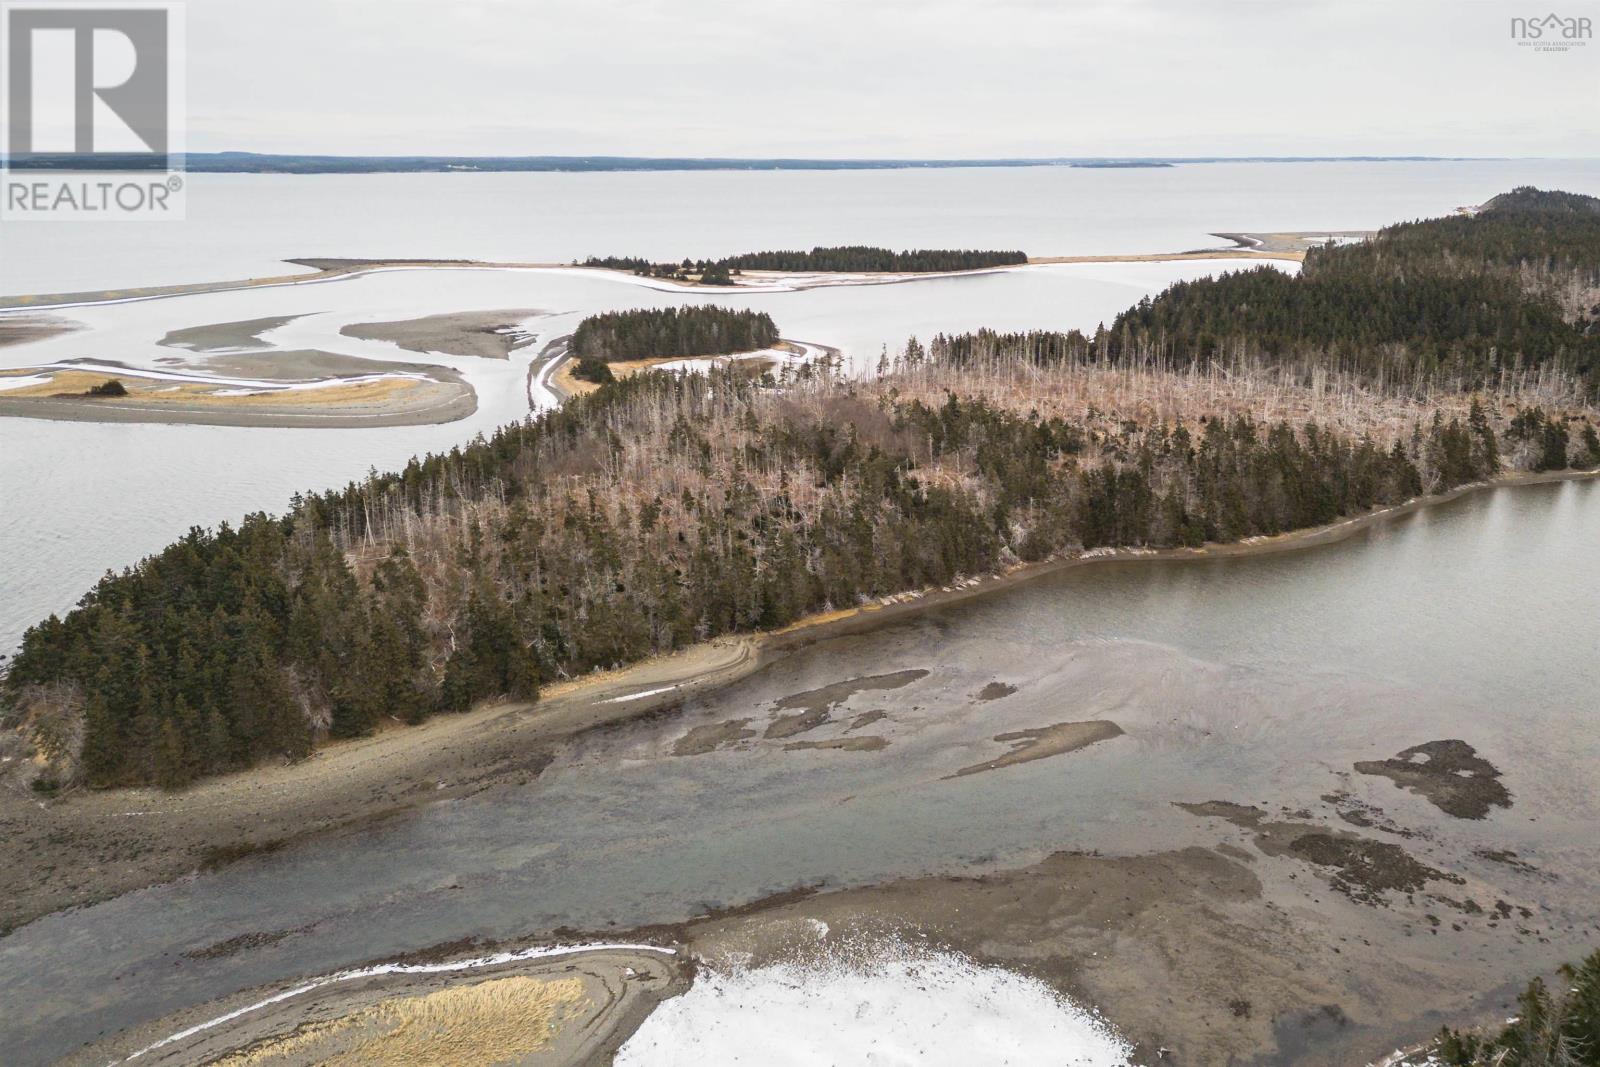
(658, 334)
(845, 259)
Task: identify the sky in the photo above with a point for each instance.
(885, 78)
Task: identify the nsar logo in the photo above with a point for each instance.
(1552, 33)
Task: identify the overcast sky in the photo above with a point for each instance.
(885, 78)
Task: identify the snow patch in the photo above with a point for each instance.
(900, 1006)
(639, 696)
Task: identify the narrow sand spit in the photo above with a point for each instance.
(553, 1006)
(224, 336)
(20, 329)
(300, 388)
(1044, 742)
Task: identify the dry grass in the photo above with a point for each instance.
(497, 1021)
(159, 394)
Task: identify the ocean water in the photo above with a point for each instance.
(243, 226)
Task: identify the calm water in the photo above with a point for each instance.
(244, 225)
(1259, 680)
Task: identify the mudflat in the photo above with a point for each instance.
(20, 329)
(485, 334)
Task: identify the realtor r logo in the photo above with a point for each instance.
(93, 99)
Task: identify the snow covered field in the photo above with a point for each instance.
(902, 1006)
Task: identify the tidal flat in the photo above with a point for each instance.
(1220, 879)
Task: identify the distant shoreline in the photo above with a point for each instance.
(293, 163)
(330, 270)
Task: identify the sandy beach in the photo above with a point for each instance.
(392, 396)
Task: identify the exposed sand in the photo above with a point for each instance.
(567, 1009)
(90, 846)
(1044, 742)
(566, 383)
(20, 329)
(712, 736)
(221, 336)
(485, 334)
(864, 743)
(1292, 241)
(1165, 938)
(348, 391)
(1287, 255)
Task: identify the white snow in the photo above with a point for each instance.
(905, 1006)
(639, 696)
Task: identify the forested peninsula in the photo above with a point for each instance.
(663, 510)
(856, 259)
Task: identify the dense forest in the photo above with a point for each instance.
(1559, 1028)
(653, 513)
(706, 272)
(691, 330)
(667, 509)
(1457, 302)
(849, 258)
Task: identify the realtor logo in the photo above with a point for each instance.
(1552, 32)
(93, 99)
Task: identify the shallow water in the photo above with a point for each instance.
(1257, 679)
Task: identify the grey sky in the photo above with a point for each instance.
(885, 77)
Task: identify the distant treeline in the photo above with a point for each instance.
(267, 163)
(864, 258)
(692, 330)
(843, 258)
(1459, 300)
(1456, 303)
(706, 272)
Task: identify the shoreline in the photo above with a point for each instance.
(322, 271)
(347, 784)
(604, 991)
(452, 408)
